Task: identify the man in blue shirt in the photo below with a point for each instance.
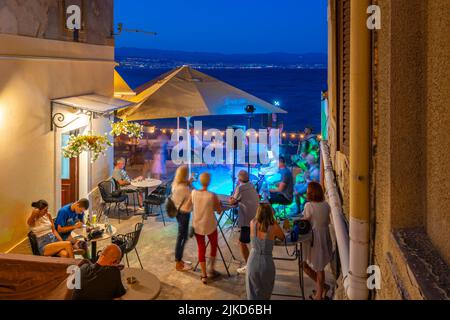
(285, 191)
(70, 217)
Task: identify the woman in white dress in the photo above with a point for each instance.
(319, 254)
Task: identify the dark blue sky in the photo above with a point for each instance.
(225, 26)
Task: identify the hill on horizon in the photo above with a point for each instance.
(271, 58)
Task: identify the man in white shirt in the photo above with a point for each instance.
(248, 199)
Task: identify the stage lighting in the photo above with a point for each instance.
(250, 109)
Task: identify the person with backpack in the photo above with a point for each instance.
(182, 203)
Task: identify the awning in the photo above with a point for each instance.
(92, 104)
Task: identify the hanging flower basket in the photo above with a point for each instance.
(96, 144)
(131, 129)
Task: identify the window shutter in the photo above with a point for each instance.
(344, 75)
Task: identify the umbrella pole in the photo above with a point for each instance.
(189, 143)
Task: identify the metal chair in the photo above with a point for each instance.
(109, 198)
(133, 192)
(33, 243)
(157, 198)
(131, 239)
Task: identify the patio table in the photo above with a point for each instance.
(82, 233)
(146, 287)
(146, 184)
(297, 255)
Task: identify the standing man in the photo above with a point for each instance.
(71, 217)
(247, 198)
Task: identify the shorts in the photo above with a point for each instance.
(245, 235)
(45, 240)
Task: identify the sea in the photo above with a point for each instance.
(297, 90)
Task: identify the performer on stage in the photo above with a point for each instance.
(247, 198)
(308, 146)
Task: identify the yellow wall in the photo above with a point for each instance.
(410, 137)
(438, 126)
(33, 71)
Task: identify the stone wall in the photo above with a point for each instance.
(47, 18)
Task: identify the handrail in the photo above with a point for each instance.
(339, 222)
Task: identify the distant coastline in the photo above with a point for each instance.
(136, 58)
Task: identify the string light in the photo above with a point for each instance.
(292, 135)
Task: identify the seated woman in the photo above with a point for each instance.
(48, 239)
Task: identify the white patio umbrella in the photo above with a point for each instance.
(186, 92)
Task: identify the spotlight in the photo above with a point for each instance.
(250, 108)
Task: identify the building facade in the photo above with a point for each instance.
(388, 122)
(41, 59)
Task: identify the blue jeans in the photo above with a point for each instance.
(43, 241)
(183, 228)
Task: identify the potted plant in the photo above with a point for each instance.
(131, 129)
(96, 144)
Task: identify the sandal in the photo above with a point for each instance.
(325, 292)
(204, 279)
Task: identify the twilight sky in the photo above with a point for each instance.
(225, 26)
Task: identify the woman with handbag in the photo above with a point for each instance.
(319, 254)
(181, 197)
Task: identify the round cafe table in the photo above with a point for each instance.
(81, 232)
(146, 287)
(146, 184)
